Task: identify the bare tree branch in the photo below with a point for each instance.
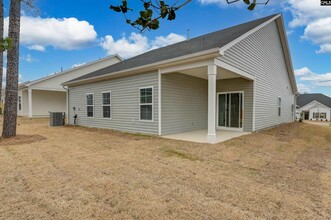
(155, 10)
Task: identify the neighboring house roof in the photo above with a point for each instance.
(305, 99)
(216, 41)
(29, 83)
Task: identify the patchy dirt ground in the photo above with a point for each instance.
(321, 123)
(81, 173)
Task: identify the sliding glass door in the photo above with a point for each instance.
(230, 110)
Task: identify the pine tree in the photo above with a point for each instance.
(10, 113)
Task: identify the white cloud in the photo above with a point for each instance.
(221, 3)
(319, 32)
(162, 41)
(317, 77)
(302, 72)
(126, 47)
(315, 18)
(67, 34)
(303, 88)
(325, 48)
(305, 74)
(304, 11)
(28, 58)
(324, 84)
(37, 48)
(136, 44)
(309, 80)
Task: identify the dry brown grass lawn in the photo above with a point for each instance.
(80, 173)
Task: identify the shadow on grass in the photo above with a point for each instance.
(21, 139)
(169, 152)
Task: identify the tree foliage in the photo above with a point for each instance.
(154, 10)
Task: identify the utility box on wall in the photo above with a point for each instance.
(57, 119)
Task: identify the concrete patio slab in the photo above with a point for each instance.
(200, 136)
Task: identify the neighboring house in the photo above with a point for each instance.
(313, 107)
(39, 97)
(240, 78)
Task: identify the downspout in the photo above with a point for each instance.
(295, 106)
(67, 101)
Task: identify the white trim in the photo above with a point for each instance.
(73, 69)
(30, 102)
(159, 100)
(67, 107)
(243, 111)
(86, 94)
(287, 54)
(212, 75)
(186, 66)
(221, 52)
(110, 105)
(319, 115)
(234, 69)
(48, 89)
(317, 102)
(152, 104)
(235, 41)
(254, 100)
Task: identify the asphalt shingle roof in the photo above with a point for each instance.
(305, 99)
(205, 42)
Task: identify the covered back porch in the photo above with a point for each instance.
(205, 101)
(40, 102)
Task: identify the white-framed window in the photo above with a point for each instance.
(279, 106)
(20, 103)
(319, 115)
(106, 104)
(90, 105)
(146, 103)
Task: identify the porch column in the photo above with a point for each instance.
(30, 102)
(67, 106)
(212, 72)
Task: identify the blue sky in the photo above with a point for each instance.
(67, 33)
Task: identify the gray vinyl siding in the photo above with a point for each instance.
(184, 103)
(240, 84)
(124, 103)
(261, 55)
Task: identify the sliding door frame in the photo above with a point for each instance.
(243, 111)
